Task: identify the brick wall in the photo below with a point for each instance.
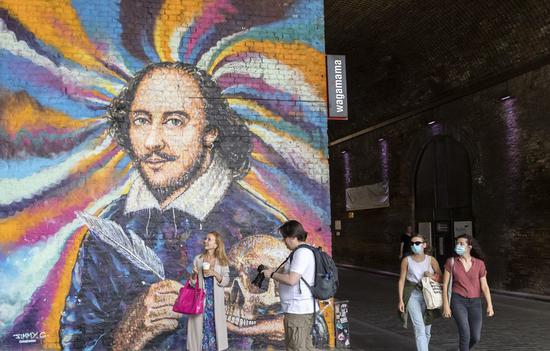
(508, 150)
(72, 86)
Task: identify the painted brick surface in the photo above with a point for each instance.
(166, 120)
(508, 150)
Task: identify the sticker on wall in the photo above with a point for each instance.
(342, 324)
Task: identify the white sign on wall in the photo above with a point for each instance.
(337, 90)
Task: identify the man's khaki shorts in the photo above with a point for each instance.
(298, 332)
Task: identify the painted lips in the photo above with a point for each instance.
(156, 161)
(155, 164)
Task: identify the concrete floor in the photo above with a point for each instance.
(518, 324)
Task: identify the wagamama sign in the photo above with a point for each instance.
(337, 92)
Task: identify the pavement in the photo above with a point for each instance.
(518, 324)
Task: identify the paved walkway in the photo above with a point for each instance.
(518, 324)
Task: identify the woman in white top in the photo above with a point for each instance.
(411, 300)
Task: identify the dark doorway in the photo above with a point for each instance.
(443, 194)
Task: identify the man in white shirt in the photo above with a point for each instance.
(296, 298)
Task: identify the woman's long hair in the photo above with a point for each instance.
(428, 248)
(219, 252)
(476, 249)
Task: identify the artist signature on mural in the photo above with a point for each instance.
(29, 337)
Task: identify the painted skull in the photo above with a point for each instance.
(252, 311)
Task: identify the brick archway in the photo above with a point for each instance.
(443, 193)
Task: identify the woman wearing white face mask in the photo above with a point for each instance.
(469, 282)
(411, 300)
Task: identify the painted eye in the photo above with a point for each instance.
(173, 122)
(140, 120)
(176, 120)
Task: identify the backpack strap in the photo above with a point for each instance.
(301, 278)
(311, 248)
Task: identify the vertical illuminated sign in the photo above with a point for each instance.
(337, 91)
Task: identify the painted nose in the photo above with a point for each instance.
(155, 138)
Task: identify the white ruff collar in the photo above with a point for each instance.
(198, 200)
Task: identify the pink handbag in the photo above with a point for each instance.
(190, 299)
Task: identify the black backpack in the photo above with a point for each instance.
(326, 274)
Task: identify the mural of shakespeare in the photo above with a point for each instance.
(128, 131)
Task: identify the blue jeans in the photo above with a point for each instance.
(468, 316)
(416, 307)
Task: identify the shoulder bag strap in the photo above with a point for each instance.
(289, 257)
(450, 287)
(286, 259)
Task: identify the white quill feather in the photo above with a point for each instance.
(130, 246)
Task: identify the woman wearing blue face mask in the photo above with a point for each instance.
(411, 300)
(469, 282)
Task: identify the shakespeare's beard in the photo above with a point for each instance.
(163, 190)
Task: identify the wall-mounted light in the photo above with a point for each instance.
(431, 122)
(506, 93)
(346, 157)
(384, 160)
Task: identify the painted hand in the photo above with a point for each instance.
(149, 315)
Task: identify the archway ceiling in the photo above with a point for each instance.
(402, 54)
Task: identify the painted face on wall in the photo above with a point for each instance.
(167, 130)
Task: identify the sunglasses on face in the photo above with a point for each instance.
(417, 243)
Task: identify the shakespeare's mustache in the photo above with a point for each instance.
(157, 154)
